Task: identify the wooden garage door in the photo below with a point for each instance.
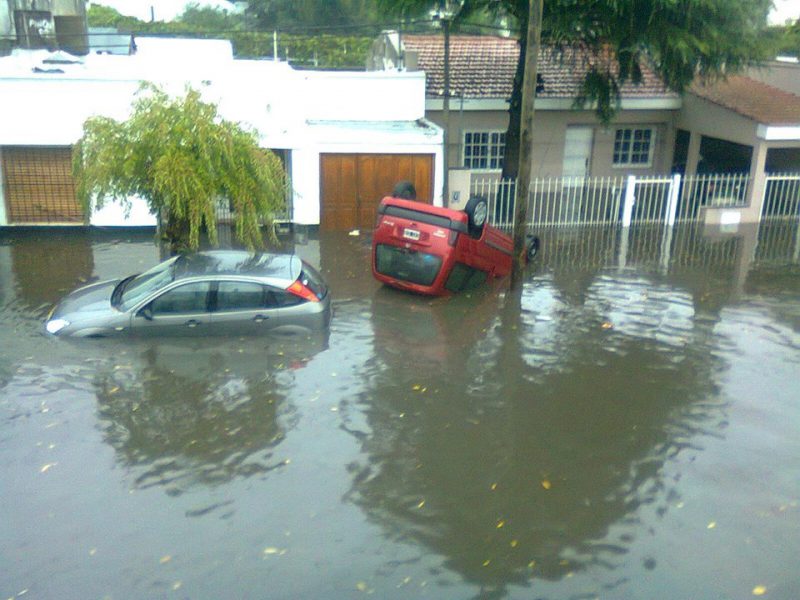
(39, 187)
(352, 185)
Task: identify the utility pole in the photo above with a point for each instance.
(446, 110)
(534, 36)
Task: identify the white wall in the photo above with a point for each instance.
(308, 113)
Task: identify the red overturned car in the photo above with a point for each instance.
(439, 251)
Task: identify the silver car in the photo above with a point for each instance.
(207, 293)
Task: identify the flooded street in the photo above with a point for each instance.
(628, 427)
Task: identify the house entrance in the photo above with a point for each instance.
(352, 185)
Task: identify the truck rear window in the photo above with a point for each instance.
(407, 265)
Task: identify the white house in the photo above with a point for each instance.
(346, 137)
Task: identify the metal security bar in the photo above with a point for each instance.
(781, 196)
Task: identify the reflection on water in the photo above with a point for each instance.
(181, 413)
(623, 426)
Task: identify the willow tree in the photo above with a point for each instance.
(184, 160)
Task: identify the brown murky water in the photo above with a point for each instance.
(628, 427)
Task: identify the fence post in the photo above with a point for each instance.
(674, 194)
(630, 198)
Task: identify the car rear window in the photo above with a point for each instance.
(407, 265)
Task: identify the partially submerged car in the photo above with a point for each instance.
(207, 293)
(439, 251)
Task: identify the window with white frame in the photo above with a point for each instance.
(484, 149)
(633, 147)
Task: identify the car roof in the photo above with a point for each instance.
(276, 267)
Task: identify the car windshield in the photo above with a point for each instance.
(407, 265)
(142, 285)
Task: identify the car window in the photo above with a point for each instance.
(282, 298)
(242, 295)
(464, 278)
(191, 298)
(147, 283)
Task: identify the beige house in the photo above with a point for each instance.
(567, 142)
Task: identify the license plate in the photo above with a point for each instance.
(411, 234)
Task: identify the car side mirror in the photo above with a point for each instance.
(146, 312)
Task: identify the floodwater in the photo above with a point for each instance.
(627, 427)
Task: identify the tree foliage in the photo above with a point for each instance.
(319, 50)
(183, 159)
(679, 39)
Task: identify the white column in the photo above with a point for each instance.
(630, 198)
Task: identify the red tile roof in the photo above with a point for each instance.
(484, 67)
(752, 99)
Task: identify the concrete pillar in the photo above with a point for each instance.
(459, 186)
(693, 153)
(758, 184)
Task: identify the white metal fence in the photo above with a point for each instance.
(782, 196)
(578, 201)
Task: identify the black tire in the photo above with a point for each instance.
(477, 210)
(404, 190)
(533, 248)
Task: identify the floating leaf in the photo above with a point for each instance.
(759, 590)
(546, 484)
(487, 562)
(47, 467)
(711, 525)
(361, 586)
(500, 524)
(607, 325)
(165, 559)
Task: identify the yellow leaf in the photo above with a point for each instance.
(546, 484)
(514, 543)
(361, 586)
(494, 486)
(421, 504)
(487, 562)
(711, 525)
(47, 467)
(607, 325)
(759, 590)
(500, 524)
(165, 559)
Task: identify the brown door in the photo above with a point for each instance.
(352, 185)
(39, 187)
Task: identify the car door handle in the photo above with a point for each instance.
(192, 323)
(260, 318)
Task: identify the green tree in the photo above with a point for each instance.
(679, 39)
(184, 159)
(286, 14)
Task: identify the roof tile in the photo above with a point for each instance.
(484, 67)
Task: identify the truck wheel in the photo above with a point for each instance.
(533, 248)
(477, 210)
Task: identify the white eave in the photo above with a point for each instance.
(456, 103)
(419, 132)
(778, 133)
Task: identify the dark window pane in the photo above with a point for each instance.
(240, 295)
(186, 299)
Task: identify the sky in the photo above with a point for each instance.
(166, 10)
